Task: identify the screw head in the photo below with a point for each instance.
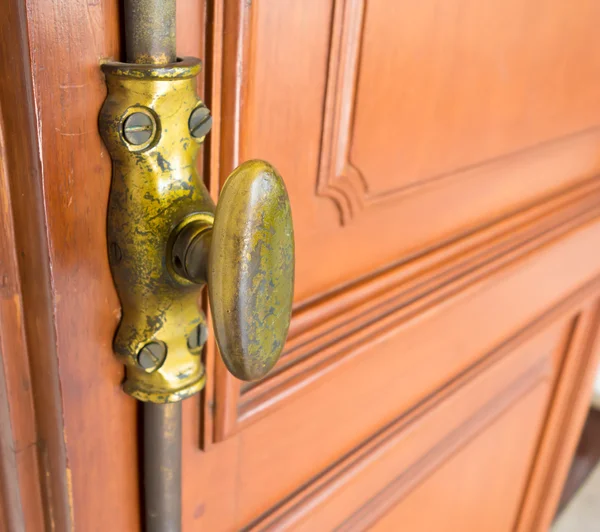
(151, 356)
(200, 122)
(138, 128)
(197, 339)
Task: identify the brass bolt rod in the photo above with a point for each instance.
(150, 31)
(150, 39)
(162, 466)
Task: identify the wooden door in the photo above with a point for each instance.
(442, 160)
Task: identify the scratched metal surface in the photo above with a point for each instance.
(154, 187)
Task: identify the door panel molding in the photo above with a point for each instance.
(573, 251)
(264, 103)
(27, 322)
(340, 179)
(405, 293)
(461, 410)
(383, 452)
(73, 309)
(392, 494)
(322, 323)
(491, 163)
(562, 425)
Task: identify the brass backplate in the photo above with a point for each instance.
(155, 187)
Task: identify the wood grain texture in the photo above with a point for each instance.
(459, 84)
(364, 164)
(11, 507)
(28, 339)
(67, 41)
(20, 471)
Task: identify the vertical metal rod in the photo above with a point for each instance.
(150, 39)
(162, 467)
(150, 31)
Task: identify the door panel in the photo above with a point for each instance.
(389, 466)
(442, 162)
(339, 409)
(405, 110)
(423, 125)
(564, 422)
(396, 344)
(454, 494)
(459, 84)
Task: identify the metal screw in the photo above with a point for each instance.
(197, 339)
(138, 128)
(200, 122)
(151, 356)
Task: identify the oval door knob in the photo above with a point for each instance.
(247, 258)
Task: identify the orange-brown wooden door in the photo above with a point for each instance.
(441, 158)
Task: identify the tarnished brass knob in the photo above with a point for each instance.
(247, 259)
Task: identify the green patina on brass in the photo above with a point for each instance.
(164, 242)
(154, 187)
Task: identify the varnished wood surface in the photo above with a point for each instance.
(34, 457)
(463, 103)
(454, 499)
(401, 293)
(67, 41)
(458, 129)
(389, 466)
(287, 431)
(441, 159)
(20, 471)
